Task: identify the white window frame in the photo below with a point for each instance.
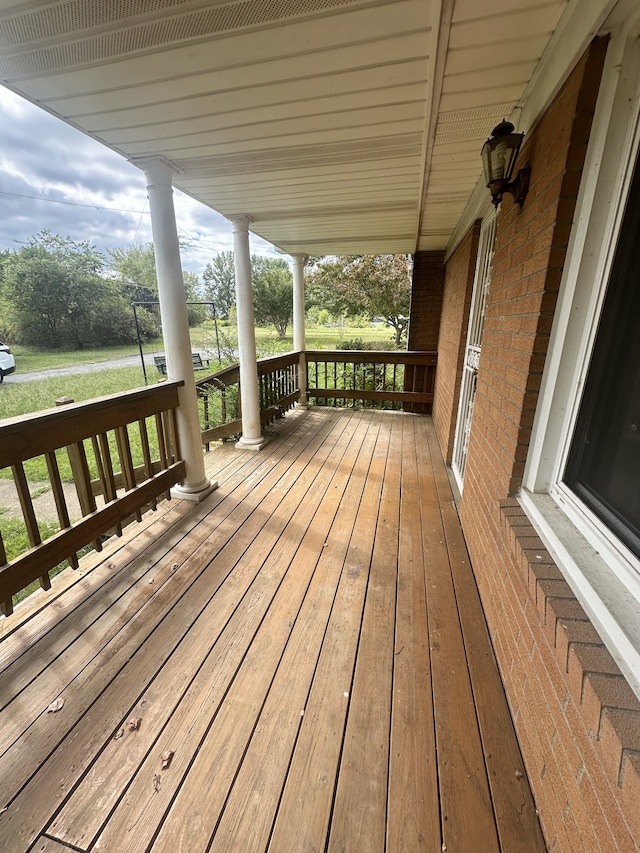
(603, 574)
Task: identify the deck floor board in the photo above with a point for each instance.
(304, 642)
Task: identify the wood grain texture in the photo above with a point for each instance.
(308, 644)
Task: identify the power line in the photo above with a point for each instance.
(71, 203)
(202, 242)
(140, 220)
(214, 245)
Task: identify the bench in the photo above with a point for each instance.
(160, 362)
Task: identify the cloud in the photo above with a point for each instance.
(53, 177)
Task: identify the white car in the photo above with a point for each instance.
(7, 361)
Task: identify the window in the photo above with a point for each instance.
(603, 467)
(581, 487)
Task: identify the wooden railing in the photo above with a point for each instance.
(401, 380)
(219, 395)
(92, 435)
(387, 379)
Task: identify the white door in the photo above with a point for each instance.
(481, 283)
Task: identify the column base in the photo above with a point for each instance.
(196, 492)
(302, 403)
(251, 443)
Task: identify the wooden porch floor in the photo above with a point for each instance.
(305, 648)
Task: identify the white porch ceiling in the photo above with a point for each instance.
(339, 126)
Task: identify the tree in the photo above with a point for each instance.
(219, 279)
(272, 292)
(55, 295)
(373, 285)
(134, 268)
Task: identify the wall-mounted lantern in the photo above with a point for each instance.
(499, 155)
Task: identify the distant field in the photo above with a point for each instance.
(30, 359)
(18, 399)
(36, 395)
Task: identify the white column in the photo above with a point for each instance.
(175, 323)
(299, 339)
(252, 438)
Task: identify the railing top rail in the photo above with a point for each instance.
(276, 362)
(378, 356)
(31, 435)
(225, 376)
(231, 375)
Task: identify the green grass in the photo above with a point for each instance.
(18, 399)
(16, 542)
(31, 360)
(38, 395)
(327, 337)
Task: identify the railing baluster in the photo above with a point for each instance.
(126, 462)
(28, 514)
(59, 498)
(102, 477)
(70, 426)
(82, 480)
(6, 606)
(173, 433)
(110, 490)
(146, 454)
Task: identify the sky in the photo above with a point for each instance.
(52, 177)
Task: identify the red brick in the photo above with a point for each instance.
(619, 733)
(561, 608)
(569, 632)
(551, 589)
(630, 778)
(597, 819)
(605, 691)
(585, 659)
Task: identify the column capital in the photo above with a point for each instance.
(240, 221)
(300, 259)
(157, 169)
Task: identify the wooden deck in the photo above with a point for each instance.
(307, 650)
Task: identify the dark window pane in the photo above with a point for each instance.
(604, 462)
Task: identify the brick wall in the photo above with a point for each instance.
(426, 300)
(577, 721)
(456, 301)
(424, 320)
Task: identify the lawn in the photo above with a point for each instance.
(30, 360)
(22, 398)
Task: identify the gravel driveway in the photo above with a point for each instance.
(89, 367)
